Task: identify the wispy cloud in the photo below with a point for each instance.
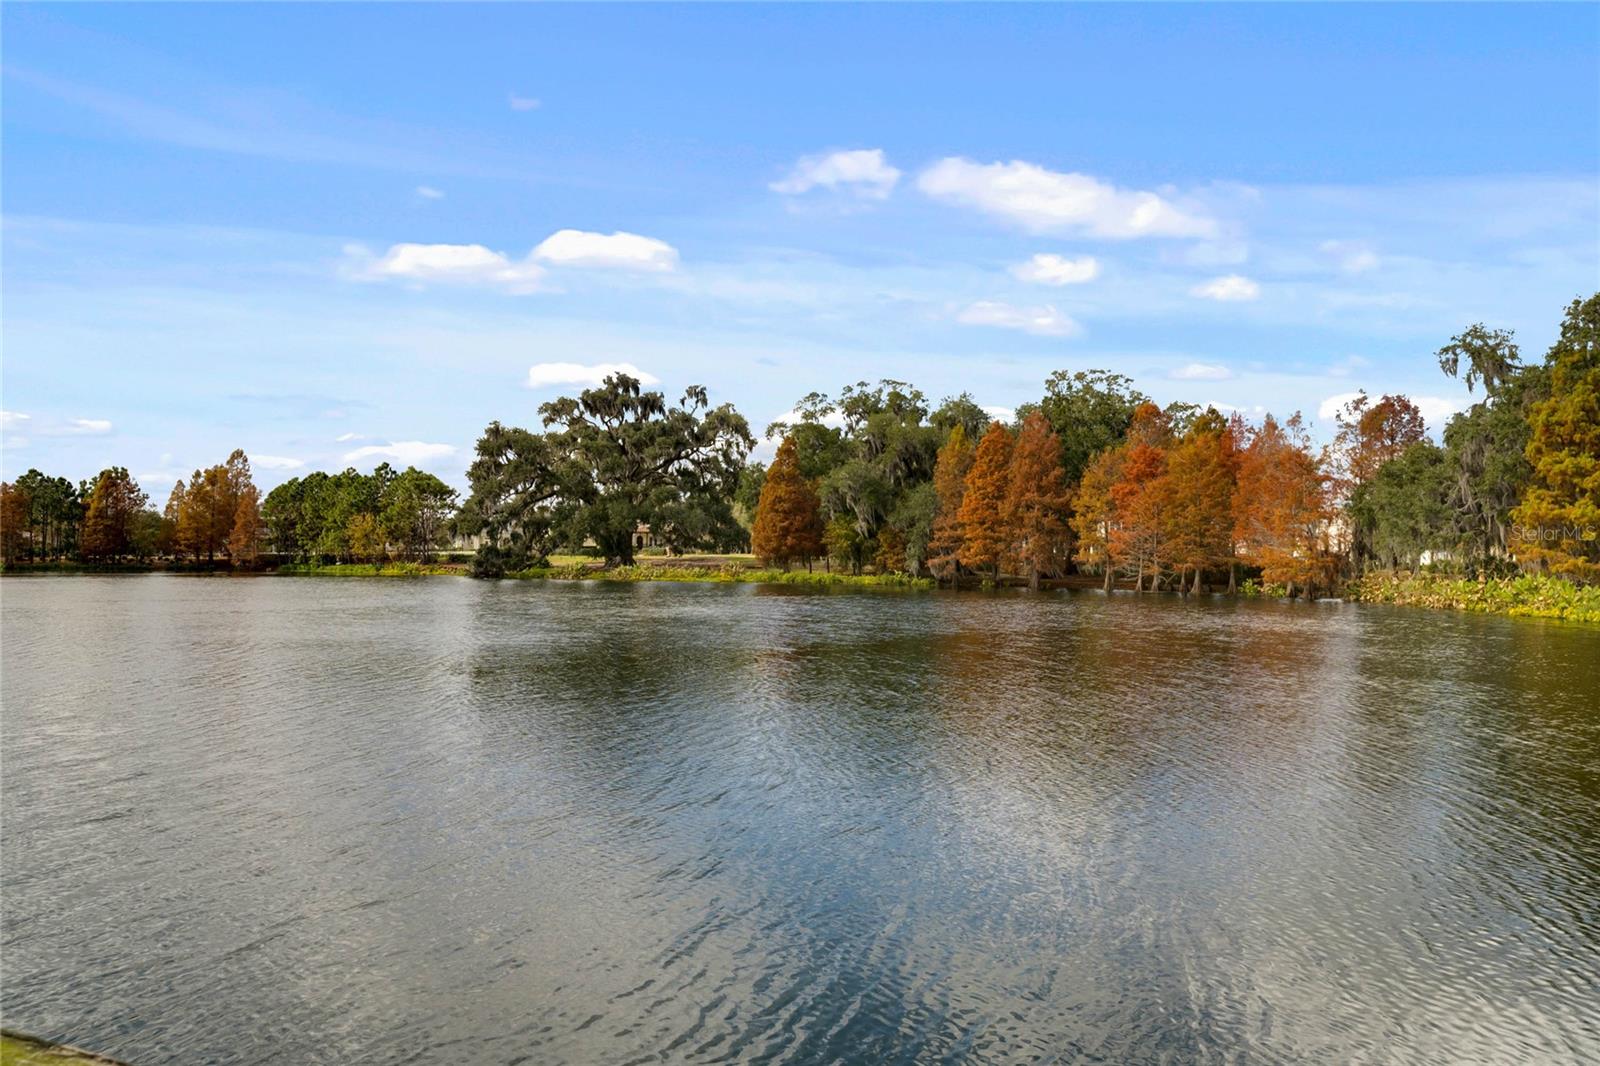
(1046, 200)
(544, 375)
(1040, 321)
(1229, 288)
(1048, 269)
(1000, 414)
(862, 171)
(276, 462)
(522, 103)
(410, 452)
(1201, 372)
(1352, 257)
(428, 192)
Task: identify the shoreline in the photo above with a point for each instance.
(1524, 596)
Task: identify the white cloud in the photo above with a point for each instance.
(1000, 414)
(543, 375)
(1331, 407)
(345, 438)
(87, 426)
(409, 452)
(1041, 321)
(522, 103)
(1048, 269)
(1046, 200)
(428, 192)
(1436, 410)
(13, 419)
(276, 462)
(1230, 287)
(863, 171)
(468, 264)
(1353, 257)
(573, 247)
(1202, 372)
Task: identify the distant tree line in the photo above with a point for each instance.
(217, 517)
(1092, 479)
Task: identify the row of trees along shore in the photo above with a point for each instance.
(1093, 482)
(217, 517)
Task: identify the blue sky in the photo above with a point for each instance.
(334, 235)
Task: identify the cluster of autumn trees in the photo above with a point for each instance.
(1093, 478)
(217, 516)
(1097, 478)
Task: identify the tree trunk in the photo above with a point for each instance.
(1138, 579)
(1033, 577)
(1233, 579)
(1109, 576)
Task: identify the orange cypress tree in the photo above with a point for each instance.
(1093, 514)
(983, 532)
(1281, 507)
(1199, 516)
(788, 523)
(1139, 497)
(1037, 501)
(950, 487)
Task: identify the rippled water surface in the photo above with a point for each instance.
(324, 821)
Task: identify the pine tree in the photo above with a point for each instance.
(983, 531)
(950, 487)
(1036, 505)
(788, 525)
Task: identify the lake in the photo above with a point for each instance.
(307, 820)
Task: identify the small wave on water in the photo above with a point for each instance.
(272, 821)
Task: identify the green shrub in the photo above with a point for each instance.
(1534, 595)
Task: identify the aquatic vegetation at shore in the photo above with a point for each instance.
(1533, 595)
(18, 1049)
(721, 575)
(371, 570)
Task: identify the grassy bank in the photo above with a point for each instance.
(370, 569)
(1530, 595)
(17, 1049)
(68, 566)
(720, 575)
